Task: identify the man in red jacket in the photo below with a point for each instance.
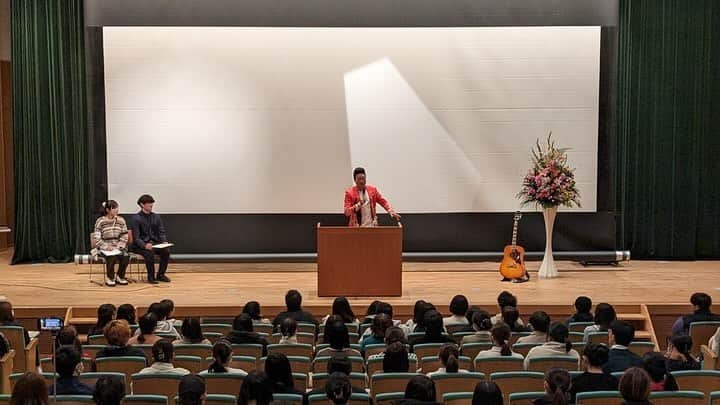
(360, 202)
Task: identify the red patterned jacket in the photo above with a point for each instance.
(352, 197)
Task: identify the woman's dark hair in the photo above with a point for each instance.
(109, 390)
(559, 333)
(106, 206)
(583, 304)
(420, 325)
(30, 389)
(341, 307)
(169, 307)
(448, 356)
(487, 393)
(126, 312)
(604, 315)
(372, 308)
(506, 299)
(396, 359)
(472, 310)
(420, 388)
(418, 311)
(635, 385)
(701, 300)
(243, 322)
(222, 352)
(384, 308)
(336, 334)
(683, 344)
(255, 387)
(597, 354)
(459, 305)
(338, 388)
(655, 364)
(293, 300)
(277, 367)
(510, 315)
(558, 385)
(6, 312)
(191, 330)
(380, 324)
(68, 336)
(481, 321)
(501, 336)
(147, 324)
(252, 308)
(105, 314)
(433, 323)
(394, 334)
(162, 309)
(540, 321)
(288, 327)
(163, 351)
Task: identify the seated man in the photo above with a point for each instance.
(621, 358)
(293, 304)
(701, 303)
(148, 230)
(68, 365)
(594, 378)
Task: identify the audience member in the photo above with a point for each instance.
(252, 308)
(472, 309)
(678, 354)
(449, 359)
(501, 343)
(163, 355)
(128, 313)
(170, 313)
(341, 365)
(380, 324)
(594, 378)
(420, 390)
(7, 318)
(68, 367)
(604, 316)
(163, 312)
(336, 334)
(433, 330)
(109, 390)
(191, 390)
(418, 313)
(583, 307)
(621, 358)
(487, 393)
(394, 334)
(458, 308)
(145, 335)
(701, 303)
(420, 325)
(558, 344)
(481, 325)
(293, 304)
(371, 312)
(288, 330)
(506, 299)
(635, 387)
(191, 332)
(540, 322)
(338, 389)
(243, 333)
(277, 367)
(557, 388)
(222, 356)
(255, 389)
(655, 364)
(30, 389)
(105, 314)
(117, 335)
(511, 316)
(341, 307)
(396, 359)
(68, 336)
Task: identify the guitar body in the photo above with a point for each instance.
(513, 262)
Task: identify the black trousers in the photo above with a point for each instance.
(149, 258)
(110, 261)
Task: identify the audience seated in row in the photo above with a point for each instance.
(68, 366)
(540, 322)
(458, 309)
(252, 308)
(145, 334)
(105, 314)
(163, 353)
(620, 335)
(604, 316)
(191, 333)
(7, 317)
(293, 304)
(701, 303)
(433, 330)
(481, 325)
(243, 333)
(558, 344)
(394, 334)
(449, 356)
(117, 335)
(583, 311)
(594, 378)
(501, 343)
(505, 300)
(222, 356)
(338, 337)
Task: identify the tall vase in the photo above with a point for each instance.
(548, 268)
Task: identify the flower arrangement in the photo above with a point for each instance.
(550, 182)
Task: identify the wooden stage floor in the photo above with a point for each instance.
(232, 284)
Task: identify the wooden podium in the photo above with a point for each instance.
(359, 262)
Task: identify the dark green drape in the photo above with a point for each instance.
(668, 128)
(52, 168)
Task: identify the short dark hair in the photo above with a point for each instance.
(66, 359)
(339, 364)
(701, 300)
(191, 330)
(337, 335)
(604, 314)
(243, 322)
(396, 359)
(623, 332)
(126, 312)
(459, 305)
(293, 300)
(191, 390)
(163, 351)
(395, 334)
(596, 354)
(358, 170)
(255, 387)
(252, 308)
(144, 199)
(420, 388)
(288, 326)
(487, 393)
(147, 324)
(384, 308)
(338, 388)
(510, 316)
(540, 321)
(506, 299)
(583, 304)
(433, 323)
(109, 390)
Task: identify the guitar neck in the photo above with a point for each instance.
(515, 228)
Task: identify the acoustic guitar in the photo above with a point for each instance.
(513, 263)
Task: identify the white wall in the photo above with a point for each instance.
(272, 120)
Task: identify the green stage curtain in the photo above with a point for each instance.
(668, 128)
(52, 168)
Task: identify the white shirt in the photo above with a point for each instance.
(454, 320)
(230, 370)
(162, 367)
(496, 351)
(588, 330)
(441, 370)
(550, 349)
(366, 218)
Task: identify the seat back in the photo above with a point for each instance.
(640, 348)
(223, 383)
(579, 326)
(47, 366)
(223, 328)
(355, 399)
(499, 364)
(197, 350)
(6, 366)
(145, 400)
(598, 398)
(298, 364)
(127, 365)
(295, 399)
(576, 337)
(514, 336)
(251, 350)
(192, 363)
(715, 398)
(244, 363)
(16, 337)
(455, 382)
(430, 364)
(302, 350)
(157, 383)
(544, 363)
(524, 348)
(92, 350)
(705, 381)
(319, 364)
(678, 398)
(700, 332)
(260, 327)
(388, 398)
(97, 340)
(375, 365)
(472, 349)
(304, 327)
(452, 328)
(90, 379)
(74, 399)
(518, 381)
(14, 377)
(381, 383)
(374, 349)
(213, 337)
(525, 398)
(5, 399)
(147, 349)
(220, 399)
(598, 337)
(457, 398)
(427, 350)
(300, 381)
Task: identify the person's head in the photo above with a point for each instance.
(128, 313)
(168, 307)
(510, 315)
(191, 330)
(583, 304)
(359, 177)
(336, 334)
(621, 333)
(501, 338)
(252, 308)
(110, 208)
(255, 387)
(701, 302)
(163, 351)
(472, 310)
(396, 359)
(339, 364)
(394, 334)
(222, 354)
(679, 347)
(506, 299)
(293, 300)
(557, 385)
(559, 333)
(243, 323)
(540, 321)
(420, 388)
(459, 305)
(384, 308)
(481, 321)
(68, 336)
(655, 364)
(277, 367)
(427, 307)
(288, 326)
(105, 314)
(635, 384)
(487, 393)
(338, 388)
(341, 307)
(117, 333)
(67, 361)
(449, 355)
(6, 312)
(30, 389)
(162, 310)
(418, 311)
(372, 308)
(380, 324)
(191, 390)
(433, 323)
(146, 203)
(604, 315)
(109, 390)
(595, 355)
(147, 324)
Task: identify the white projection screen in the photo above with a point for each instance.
(272, 120)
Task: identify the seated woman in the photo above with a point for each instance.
(458, 308)
(146, 331)
(117, 335)
(222, 356)
(163, 356)
(635, 387)
(191, 333)
(487, 393)
(396, 359)
(655, 364)
(255, 389)
(540, 322)
(252, 308)
(105, 314)
(111, 234)
(394, 334)
(341, 307)
(604, 316)
(594, 378)
(336, 334)
(420, 390)
(448, 355)
(433, 330)
(501, 343)
(288, 330)
(678, 354)
(380, 324)
(557, 388)
(482, 325)
(511, 317)
(277, 367)
(557, 345)
(128, 313)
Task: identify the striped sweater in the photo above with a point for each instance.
(110, 233)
